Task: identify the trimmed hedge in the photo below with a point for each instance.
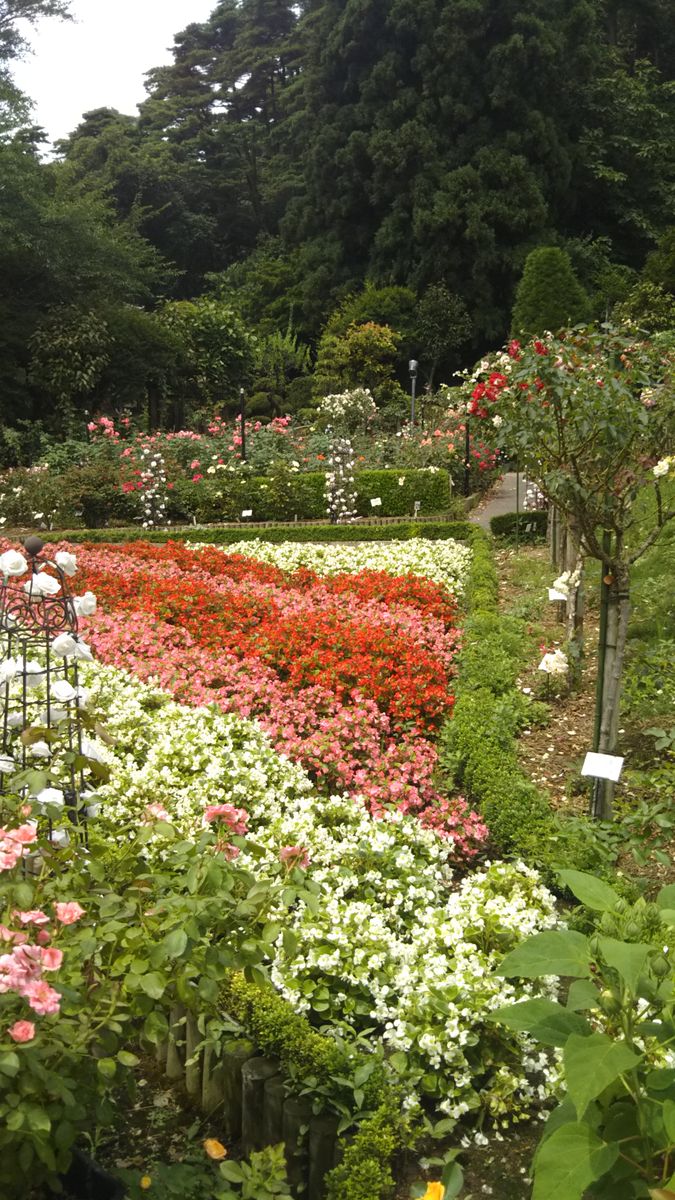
(365, 1172)
(531, 526)
(478, 747)
(221, 536)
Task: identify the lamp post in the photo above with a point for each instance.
(412, 368)
(242, 418)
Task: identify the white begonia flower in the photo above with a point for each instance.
(662, 467)
(85, 605)
(63, 691)
(13, 563)
(42, 584)
(497, 421)
(7, 764)
(35, 674)
(8, 670)
(52, 796)
(40, 750)
(66, 561)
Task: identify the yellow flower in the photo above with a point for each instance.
(435, 1191)
(215, 1149)
(145, 1182)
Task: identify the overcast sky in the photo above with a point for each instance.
(100, 59)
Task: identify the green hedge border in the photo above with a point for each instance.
(308, 1058)
(529, 527)
(222, 536)
(478, 749)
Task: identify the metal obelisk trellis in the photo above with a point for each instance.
(41, 697)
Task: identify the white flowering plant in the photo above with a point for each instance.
(340, 485)
(391, 940)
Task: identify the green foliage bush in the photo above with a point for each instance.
(365, 1171)
(531, 526)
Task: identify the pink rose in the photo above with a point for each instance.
(69, 912)
(22, 1031)
(34, 917)
(294, 856)
(52, 959)
(42, 998)
(235, 818)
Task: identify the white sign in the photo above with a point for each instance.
(553, 595)
(247, 512)
(376, 503)
(602, 766)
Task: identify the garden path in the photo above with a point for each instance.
(501, 499)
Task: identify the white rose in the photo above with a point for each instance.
(40, 750)
(67, 562)
(63, 691)
(82, 650)
(53, 796)
(13, 563)
(8, 670)
(42, 584)
(85, 605)
(662, 468)
(59, 837)
(7, 764)
(64, 645)
(35, 674)
(91, 750)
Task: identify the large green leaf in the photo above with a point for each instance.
(582, 994)
(546, 1020)
(554, 952)
(567, 1162)
(666, 897)
(592, 892)
(628, 958)
(591, 1064)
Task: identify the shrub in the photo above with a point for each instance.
(549, 295)
(365, 1171)
(278, 1030)
(433, 530)
(530, 526)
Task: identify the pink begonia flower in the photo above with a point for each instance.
(35, 916)
(42, 998)
(294, 856)
(22, 1031)
(236, 819)
(52, 959)
(69, 912)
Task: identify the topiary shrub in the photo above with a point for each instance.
(549, 295)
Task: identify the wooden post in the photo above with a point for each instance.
(297, 1115)
(234, 1057)
(193, 1070)
(322, 1139)
(254, 1075)
(274, 1099)
(175, 1055)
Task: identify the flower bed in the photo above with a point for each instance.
(350, 674)
(392, 939)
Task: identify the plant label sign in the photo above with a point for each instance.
(602, 766)
(554, 595)
(376, 502)
(247, 512)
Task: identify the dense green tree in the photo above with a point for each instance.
(443, 326)
(660, 264)
(549, 295)
(218, 351)
(15, 13)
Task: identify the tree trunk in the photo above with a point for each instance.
(618, 614)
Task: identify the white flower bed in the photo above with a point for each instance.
(395, 942)
(446, 561)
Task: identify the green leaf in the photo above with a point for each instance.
(127, 1059)
(591, 1064)
(582, 994)
(567, 1162)
(547, 1021)
(453, 1180)
(290, 943)
(9, 1063)
(554, 952)
(174, 943)
(153, 984)
(107, 1067)
(666, 897)
(399, 1061)
(669, 1119)
(592, 892)
(232, 1171)
(628, 958)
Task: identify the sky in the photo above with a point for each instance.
(99, 60)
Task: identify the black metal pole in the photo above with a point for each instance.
(467, 452)
(413, 381)
(242, 416)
